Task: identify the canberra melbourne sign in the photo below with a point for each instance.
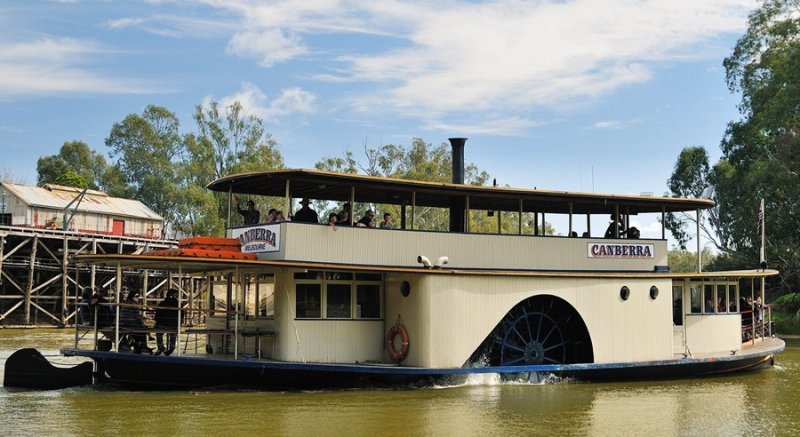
(259, 238)
(620, 250)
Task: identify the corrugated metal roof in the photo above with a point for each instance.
(97, 202)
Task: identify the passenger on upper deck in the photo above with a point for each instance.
(615, 229)
(368, 221)
(332, 219)
(343, 218)
(251, 214)
(387, 221)
(305, 214)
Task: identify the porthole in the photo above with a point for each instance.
(653, 292)
(405, 288)
(624, 292)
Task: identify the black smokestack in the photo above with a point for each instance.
(458, 159)
(457, 207)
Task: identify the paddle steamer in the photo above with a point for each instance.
(295, 305)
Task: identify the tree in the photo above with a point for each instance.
(148, 148)
(684, 261)
(420, 161)
(75, 163)
(227, 143)
(762, 146)
(759, 151)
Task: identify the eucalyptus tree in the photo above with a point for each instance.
(760, 156)
(149, 150)
(229, 141)
(75, 165)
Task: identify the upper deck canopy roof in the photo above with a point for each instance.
(323, 185)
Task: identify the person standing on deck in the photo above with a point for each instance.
(306, 214)
(167, 320)
(251, 214)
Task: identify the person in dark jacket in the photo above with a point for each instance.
(167, 319)
(85, 312)
(130, 319)
(98, 303)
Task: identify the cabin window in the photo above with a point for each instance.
(722, 298)
(346, 295)
(709, 300)
(368, 301)
(677, 305)
(265, 295)
(309, 304)
(338, 301)
(5, 219)
(695, 299)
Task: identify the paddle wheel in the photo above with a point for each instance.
(539, 330)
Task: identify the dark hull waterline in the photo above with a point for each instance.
(179, 372)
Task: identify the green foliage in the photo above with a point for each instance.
(75, 164)
(72, 179)
(148, 148)
(684, 261)
(423, 162)
(759, 151)
(225, 144)
(761, 148)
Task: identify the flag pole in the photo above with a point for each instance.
(761, 225)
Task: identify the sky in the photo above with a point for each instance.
(576, 95)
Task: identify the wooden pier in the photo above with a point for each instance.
(40, 283)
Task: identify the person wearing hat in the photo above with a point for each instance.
(306, 214)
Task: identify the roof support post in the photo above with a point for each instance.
(352, 204)
(180, 298)
(663, 223)
(413, 207)
(117, 299)
(697, 236)
(288, 204)
(519, 221)
(499, 222)
(570, 219)
(589, 224)
(616, 219)
(466, 213)
(230, 203)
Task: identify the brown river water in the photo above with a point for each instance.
(758, 403)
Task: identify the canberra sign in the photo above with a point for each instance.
(620, 250)
(259, 238)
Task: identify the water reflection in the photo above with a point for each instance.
(756, 403)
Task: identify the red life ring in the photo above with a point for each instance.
(394, 354)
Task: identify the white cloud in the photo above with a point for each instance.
(291, 101)
(268, 46)
(608, 124)
(49, 65)
(122, 23)
(438, 58)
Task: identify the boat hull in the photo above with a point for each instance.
(180, 372)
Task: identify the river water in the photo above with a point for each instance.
(763, 402)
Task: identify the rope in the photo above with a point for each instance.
(294, 326)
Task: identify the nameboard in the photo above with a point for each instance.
(620, 250)
(259, 238)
